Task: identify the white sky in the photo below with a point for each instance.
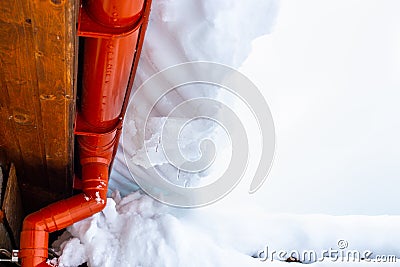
(331, 74)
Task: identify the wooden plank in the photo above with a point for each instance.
(5, 241)
(1, 189)
(9, 146)
(12, 205)
(37, 94)
(19, 78)
(54, 40)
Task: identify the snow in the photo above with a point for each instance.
(135, 230)
(212, 32)
(138, 231)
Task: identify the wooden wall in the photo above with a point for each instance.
(37, 95)
(11, 213)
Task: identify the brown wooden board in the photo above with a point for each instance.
(5, 241)
(37, 95)
(2, 180)
(4, 238)
(12, 205)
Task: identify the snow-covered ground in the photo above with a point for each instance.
(138, 231)
(312, 73)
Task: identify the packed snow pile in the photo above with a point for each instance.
(139, 231)
(184, 31)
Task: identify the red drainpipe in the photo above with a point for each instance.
(114, 33)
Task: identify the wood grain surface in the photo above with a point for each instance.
(37, 95)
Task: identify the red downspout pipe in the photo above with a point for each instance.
(114, 31)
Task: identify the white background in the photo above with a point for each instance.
(331, 74)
